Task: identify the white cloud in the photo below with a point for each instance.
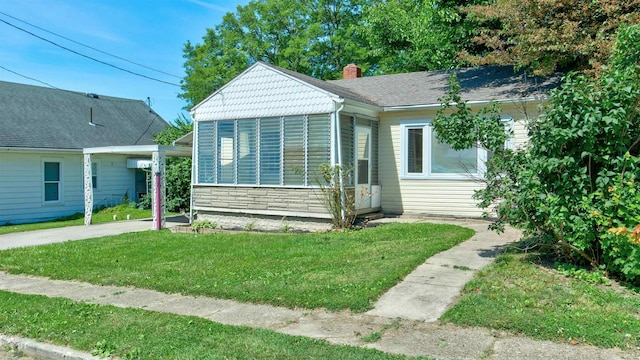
(211, 6)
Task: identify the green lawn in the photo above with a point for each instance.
(518, 295)
(332, 270)
(141, 334)
(101, 216)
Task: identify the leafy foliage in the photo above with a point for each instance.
(578, 177)
(546, 35)
(313, 37)
(340, 204)
(419, 34)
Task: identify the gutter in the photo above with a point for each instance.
(25, 149)
(476, 102)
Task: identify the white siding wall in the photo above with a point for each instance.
(430, 197)
(114, 180)
(22, 191)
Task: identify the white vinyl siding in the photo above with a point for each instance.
(22, 184)
(276, 151)
(426, 196)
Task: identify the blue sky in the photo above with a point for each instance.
(151, 33)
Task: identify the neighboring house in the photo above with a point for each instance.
(259, 139)
(43, 134)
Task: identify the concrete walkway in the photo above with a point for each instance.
(80, 232)
(405, 316)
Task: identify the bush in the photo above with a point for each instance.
(575, 186)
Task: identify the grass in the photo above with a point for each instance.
(332, 270)
(100, 216)
(518, 295)
(141, 334)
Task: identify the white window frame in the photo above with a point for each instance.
(60, 181)
(427, 134)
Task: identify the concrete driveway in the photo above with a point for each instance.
(48, 236)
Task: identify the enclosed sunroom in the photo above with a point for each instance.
(259, 142)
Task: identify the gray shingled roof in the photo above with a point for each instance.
(425, 88)
(39, 117)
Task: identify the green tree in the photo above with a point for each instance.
(178, 170)
(575, 186)
(313, 37)
(416, 35)
(548, 35)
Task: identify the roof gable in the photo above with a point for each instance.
(263, 91)
(38, 117)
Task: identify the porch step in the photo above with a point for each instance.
(371, 216)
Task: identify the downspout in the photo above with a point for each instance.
(338, 135)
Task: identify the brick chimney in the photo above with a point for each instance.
(351, 71)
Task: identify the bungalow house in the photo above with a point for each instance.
(258, 140)
(44, 132)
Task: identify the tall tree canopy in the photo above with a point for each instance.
(319, 37)
(314, 37)
(416, 35)
(547, 35)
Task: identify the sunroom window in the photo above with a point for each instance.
(278, 151)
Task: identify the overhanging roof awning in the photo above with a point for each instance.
(186, 140)
(141, 150)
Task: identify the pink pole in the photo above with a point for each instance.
(158, 198)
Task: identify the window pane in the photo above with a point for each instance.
(205, 152)
(94, 175)
(270, 151)
(225, 152)
(347, 132)
(51, 192)
(445, 160)
(319, 140)
(51, 171)
(294, 150)
(414, 150)
(246, 151)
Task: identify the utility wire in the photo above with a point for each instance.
(30, 78)
(102, 98)
(88, 57)
(91, 47)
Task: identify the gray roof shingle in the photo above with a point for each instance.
(425, 88)
(39, 117)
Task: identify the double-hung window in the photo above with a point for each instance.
(423, 156)
(52, 182)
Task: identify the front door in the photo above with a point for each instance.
(363, 169)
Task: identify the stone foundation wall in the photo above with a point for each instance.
(298, 202)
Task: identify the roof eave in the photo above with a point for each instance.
(471, 103)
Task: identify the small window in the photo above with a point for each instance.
(94, 175)
(414, 150)
(51, 181)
